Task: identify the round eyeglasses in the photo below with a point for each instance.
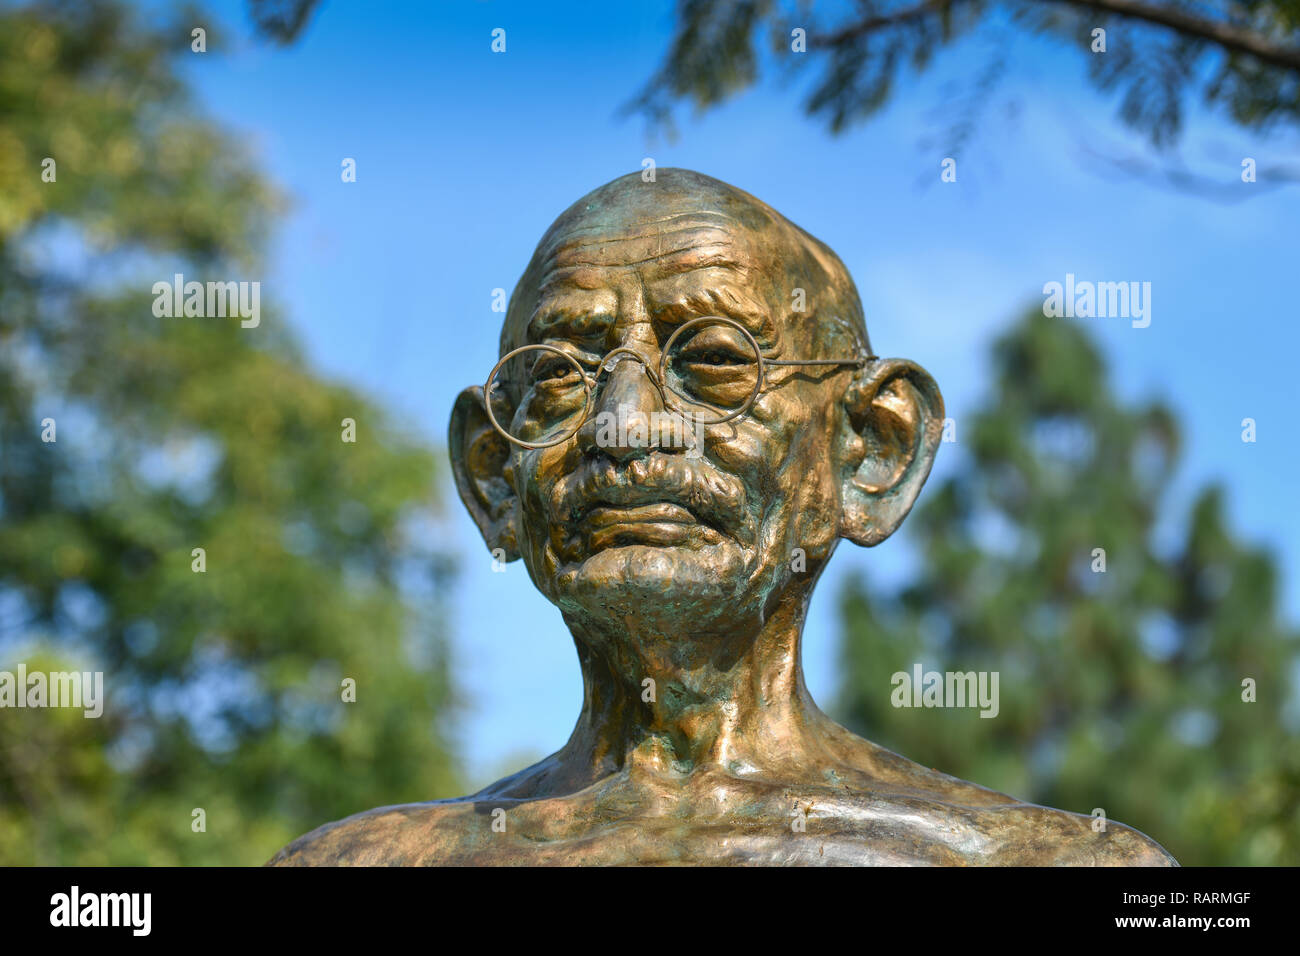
(711, 370)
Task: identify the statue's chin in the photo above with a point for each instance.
(647, 580)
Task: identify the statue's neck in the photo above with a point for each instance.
(733, 700)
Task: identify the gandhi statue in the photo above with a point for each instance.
(686, 420)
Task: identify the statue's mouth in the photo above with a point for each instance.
(659, 501)
(662, 523)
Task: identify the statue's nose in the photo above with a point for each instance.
(628, 409)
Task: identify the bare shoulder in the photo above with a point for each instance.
(1060, 838)
(992, 828)
(401, 835)
(439, 832)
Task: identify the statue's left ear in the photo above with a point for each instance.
(893, 427)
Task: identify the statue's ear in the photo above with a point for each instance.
(479, 460)
(892, 431)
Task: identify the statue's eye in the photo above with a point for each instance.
(717, 366)
(714, 347)
(553, 370)
(714, 356)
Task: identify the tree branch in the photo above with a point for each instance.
(862, 27)
(1230, 37)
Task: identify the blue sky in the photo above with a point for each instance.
(465, 156)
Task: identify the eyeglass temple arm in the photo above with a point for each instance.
(859, 362)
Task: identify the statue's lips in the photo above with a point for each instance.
(605, 516)
(660, 523)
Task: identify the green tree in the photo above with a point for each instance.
(1119, 688)
(224, 686)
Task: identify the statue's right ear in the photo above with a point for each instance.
(479, 459)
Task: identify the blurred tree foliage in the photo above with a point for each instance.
(1120, 690)
(223, 687)
(1239, 55)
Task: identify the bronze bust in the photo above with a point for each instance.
(699, 422)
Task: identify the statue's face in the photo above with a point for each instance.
(628, 535)
(625, 529)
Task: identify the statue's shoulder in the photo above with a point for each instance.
(438, 832)
(401, 835)
(1060, 838)
(1011, 832)
(988, 827)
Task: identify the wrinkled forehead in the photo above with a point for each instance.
(672, 243)
(594, 264)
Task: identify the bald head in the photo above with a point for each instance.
(685, 221)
